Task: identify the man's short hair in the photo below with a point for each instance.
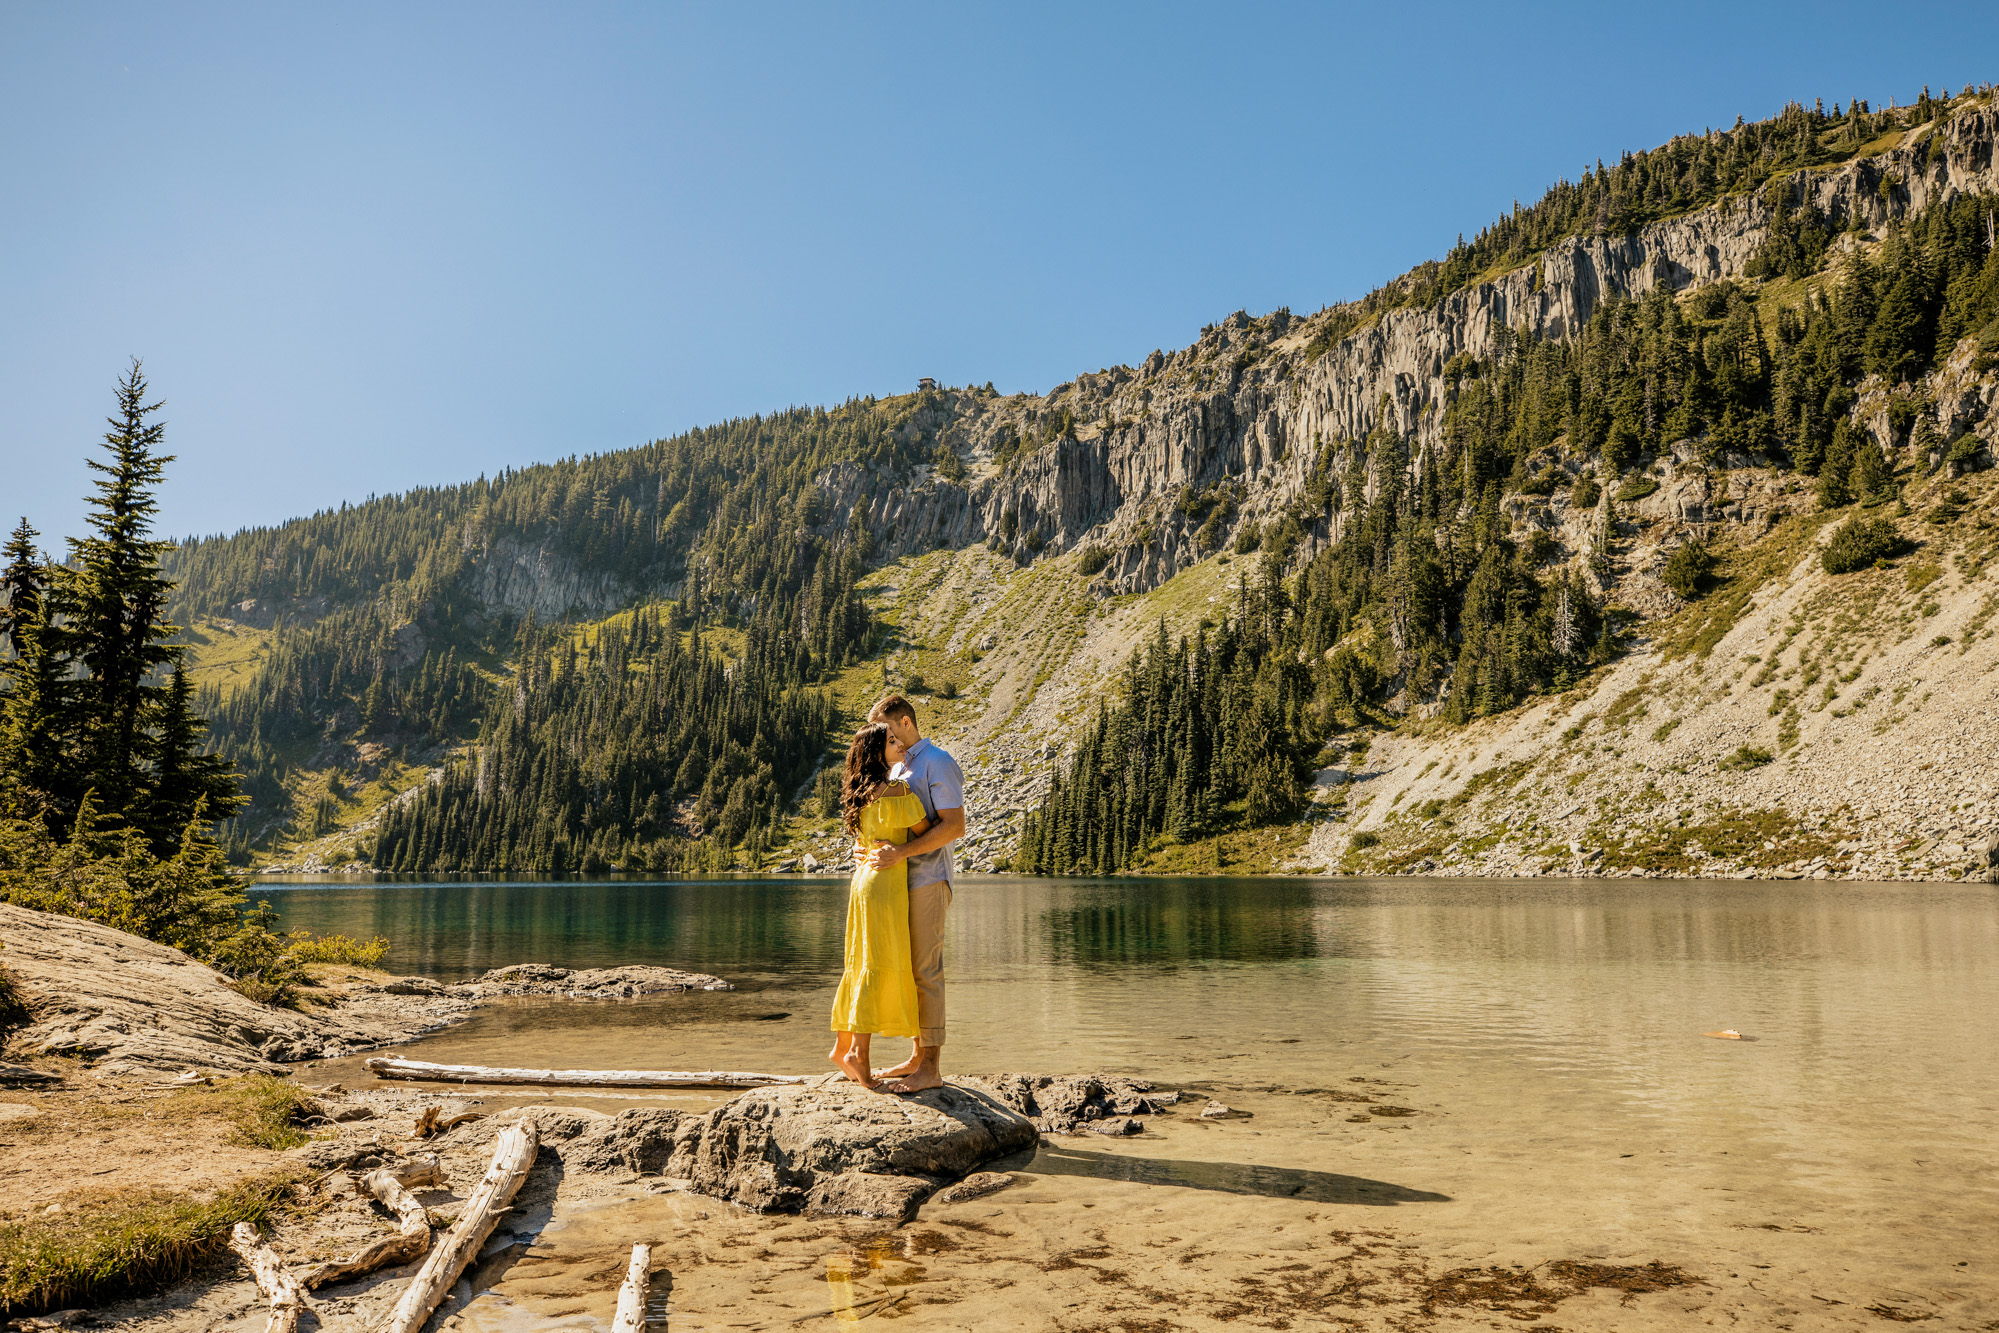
(892, 705)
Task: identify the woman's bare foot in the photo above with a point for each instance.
(856, 1068)
(850, 1057)
(903, 1070)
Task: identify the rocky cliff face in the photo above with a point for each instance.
(1247, 406)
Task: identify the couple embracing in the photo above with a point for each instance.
(904, 802)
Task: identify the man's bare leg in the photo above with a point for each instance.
(920, 1071)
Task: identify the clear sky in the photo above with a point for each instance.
(364, 247)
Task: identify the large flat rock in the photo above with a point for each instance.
(114, 998)
(129, 1005)
(823, 1147)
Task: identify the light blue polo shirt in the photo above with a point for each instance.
(934, 778)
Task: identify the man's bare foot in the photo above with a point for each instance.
(916, 1082)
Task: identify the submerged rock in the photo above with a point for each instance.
(1078, 1103)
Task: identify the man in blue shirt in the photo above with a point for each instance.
(934, 778)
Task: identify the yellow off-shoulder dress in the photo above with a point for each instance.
(878, 990)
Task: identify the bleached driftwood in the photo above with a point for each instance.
(280, 1288)
(390, 1067)
(513, 1154)
(633, 1293)
(434, 1121)
(391, 1185)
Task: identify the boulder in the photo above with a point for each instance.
(833, 1147)
(115, 999)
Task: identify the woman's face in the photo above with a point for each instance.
(895, 750)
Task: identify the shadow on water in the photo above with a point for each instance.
(1274, 1182)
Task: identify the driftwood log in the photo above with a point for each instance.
(274, 1280)
(513, 1154)
(434, 1121)
(633, 1293)
(389, 1184)
(389, 1067)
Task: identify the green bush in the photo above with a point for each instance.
(1687, 571)
(1365, 839)
(1638, 487)
(1859, 542)
(1586, 492)
(1748, 756)
(1092, 560)
(948, 690)
(1249, 538)
(338, 949)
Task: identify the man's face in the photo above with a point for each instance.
(901, 728)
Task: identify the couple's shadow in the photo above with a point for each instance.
(1274, 1182)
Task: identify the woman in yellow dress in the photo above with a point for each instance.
(878, 991)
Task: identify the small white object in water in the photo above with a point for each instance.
(1726, 1034)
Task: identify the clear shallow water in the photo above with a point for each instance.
(1548, 1033)
(1849, 990)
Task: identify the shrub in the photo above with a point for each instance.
(916, 684)
(1092, 560)
(1687, 570)
(338, 949)
(1638, 487)
(1748, 756)
(1859, 542)
(1249, 538)
(1364, 839)
(1586, 492)
(948, 690)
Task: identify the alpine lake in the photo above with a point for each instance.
(1487, 1103)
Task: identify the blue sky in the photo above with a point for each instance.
(365, 247)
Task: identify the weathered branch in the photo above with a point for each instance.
(274, 1280)
(633, 1293)
(513, 1154)
(412, 1238)
(390, 1067)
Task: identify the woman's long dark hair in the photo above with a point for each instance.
(867, 770)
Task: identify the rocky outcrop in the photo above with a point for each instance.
(511, 576)
(1252, 406)
(128, 1005)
